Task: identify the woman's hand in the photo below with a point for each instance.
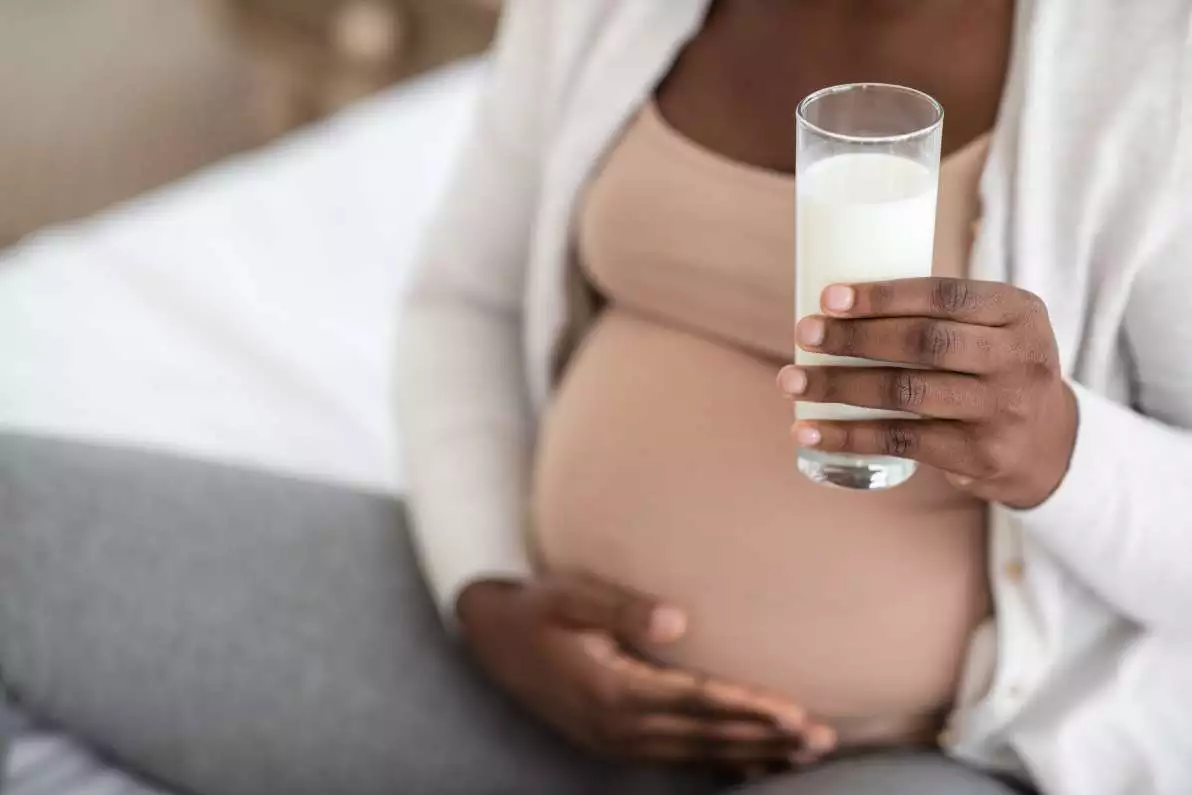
(998, 416)
(560, 644)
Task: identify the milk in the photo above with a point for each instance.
(861, 218)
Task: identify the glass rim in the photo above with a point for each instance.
(801, 116)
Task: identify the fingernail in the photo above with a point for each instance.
(808, 436)
(667, 624)
(811, 331)
(839, 298)
(821, 739)
(793, 380)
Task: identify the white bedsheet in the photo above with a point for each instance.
(247, 314)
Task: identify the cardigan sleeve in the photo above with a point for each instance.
(1122, 519)
(464, 412)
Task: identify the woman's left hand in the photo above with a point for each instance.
(998, 416)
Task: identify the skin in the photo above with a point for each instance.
(573, 650)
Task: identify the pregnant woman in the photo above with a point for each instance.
(603, 479)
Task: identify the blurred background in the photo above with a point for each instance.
(208, 211)
(101, 100)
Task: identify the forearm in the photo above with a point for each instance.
(467, 429)
(467, 436)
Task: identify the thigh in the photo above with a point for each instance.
(883, 774)
(232, 632)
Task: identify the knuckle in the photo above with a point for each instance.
(996, 456)
(1034, 307)
(1042, 362)
(881, 297)
(908, 389)
(845, 335)
(1033, 315)
(898, 440)
(1034, 361)
(1014, 404)
(936, 341)
(950, 296)
(827, 385)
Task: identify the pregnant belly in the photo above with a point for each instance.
(665, 465)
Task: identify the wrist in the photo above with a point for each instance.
(477, 595)
(1058, 457)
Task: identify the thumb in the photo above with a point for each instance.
(586, 603)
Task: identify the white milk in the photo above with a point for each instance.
(861, 218)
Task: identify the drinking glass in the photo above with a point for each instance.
(867, 177)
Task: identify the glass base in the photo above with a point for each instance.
(861, 473)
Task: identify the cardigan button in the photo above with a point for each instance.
(1014, 570)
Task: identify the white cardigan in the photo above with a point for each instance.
(1086, 679)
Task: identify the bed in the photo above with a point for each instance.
(244, 317)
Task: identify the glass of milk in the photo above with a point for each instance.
(868, 160)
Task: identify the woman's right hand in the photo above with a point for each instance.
(561, 645)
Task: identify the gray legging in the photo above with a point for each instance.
(230, 632)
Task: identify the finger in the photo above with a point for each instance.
(673, 691)
(718, 730)
(947, 445)
(632, 705)
(713, 713)
(819, 741)
(939, 344)
(963, 300)
(664, 690)
(789, 716)
(713, 745)
(924, 392)
(588, 604)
